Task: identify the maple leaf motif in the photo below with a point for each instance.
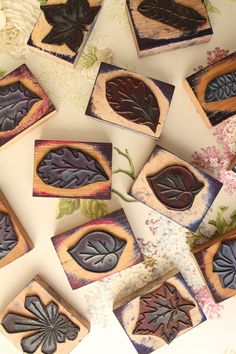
(164, 313)
(69, 22)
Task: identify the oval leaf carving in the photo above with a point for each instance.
(133, 100)
(8, 238)
(98, 251)
(70, 168)
(15, 103)
(175, 187)
(173, 14)
(221, 88)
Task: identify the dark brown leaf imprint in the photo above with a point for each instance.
(175, 187)
(164, 313)
(133, 100)
(70, 168)
(15, 103)
(46, 327)
(173, 14)
(8, 238)
(221, 88)
(98, 251)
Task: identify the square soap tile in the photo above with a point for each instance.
(217, 262)
(141, 313)
(72, 169)
(162, 25)
(97, 249)
(175, 189)
(213, 90)
(14, 241)
(23, 104)
(130, 100)
(63, 29)
(38, 321)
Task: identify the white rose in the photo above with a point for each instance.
(20, 18)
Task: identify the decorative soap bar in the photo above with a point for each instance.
(23, 104)
(213, 90)
(38, 321)
(63, 28)
(217, 262)
(97, 249)
(14, 241)
(232, 165)
(175, 189)
(130, 100)
(162, 25)
(158, 313)
(72, 169)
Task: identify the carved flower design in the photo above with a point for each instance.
(47, 328)
(224, 263)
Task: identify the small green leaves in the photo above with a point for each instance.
(93, 208)
(211, 8)
(67, 206)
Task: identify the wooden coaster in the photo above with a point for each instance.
(213, 90)
(130, 100)
(162, 25)
(14, 241)
(175, 189)
(97, 249)
(23, 105)
(63, 29)
(217, 262)
(38, 321)
(72, 169)
(158, 313)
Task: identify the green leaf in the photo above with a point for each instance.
(67, 206)
(212, 222)
(233, 215)
(42, 2)
(211, 8)
(223, 208)
(93, 208)
(2, 72)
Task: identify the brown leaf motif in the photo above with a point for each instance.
(175, 187)
(133, 100)
(163, 313)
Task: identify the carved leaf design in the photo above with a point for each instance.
(98, 251)
(163, 313)
(70, 168)
(175, 187)
(173, 14)
(224, 263)
(8, 238)
(69, 22)
(47, 328)
(221, 88)
(15, 103)
(133, 100)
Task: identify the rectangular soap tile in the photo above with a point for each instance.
(14, 241)
(64, 40)
(217, 262)
(213, 90)
(163, 25)
(175, 189)
(141, 313)
(39, 321)
(23, 104)
(72, 169)
(97, 249)
(130, 100)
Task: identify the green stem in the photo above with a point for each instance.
(123, 197)
(128, 173)
(131, 165)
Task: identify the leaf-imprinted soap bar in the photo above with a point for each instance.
(161, 25)
(97, 249)
(175, 189)
(72, 169)
(213, 90)
(130, 100)
(23, 104)
(63, 28)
